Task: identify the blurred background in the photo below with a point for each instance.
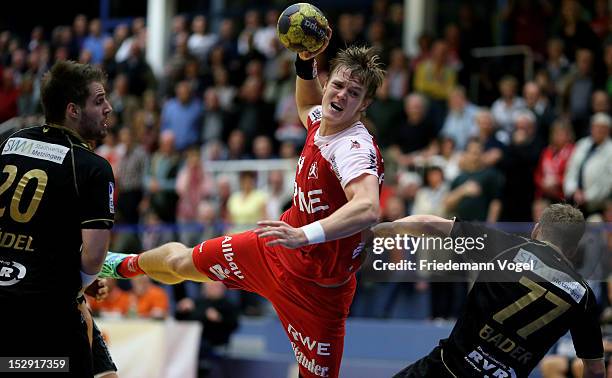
(486, 113)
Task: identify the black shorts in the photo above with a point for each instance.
(101, 358)
(430, 366)
(35, 329)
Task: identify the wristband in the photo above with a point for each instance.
(305, 69)
(87, 279)
(314, 232)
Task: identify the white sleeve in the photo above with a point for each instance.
(354, 157)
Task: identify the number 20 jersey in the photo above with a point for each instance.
(327, 164)
(52, 185)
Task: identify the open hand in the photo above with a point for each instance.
(305, 55)
(389, 229)
(283, 233)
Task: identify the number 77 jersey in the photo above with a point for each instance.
(52, 185)
(326, 165)
(513, 317)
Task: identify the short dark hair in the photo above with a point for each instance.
(67, 82)
(563, 225)
(364, 64)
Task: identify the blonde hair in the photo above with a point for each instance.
(364, 65)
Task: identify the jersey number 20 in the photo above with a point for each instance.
(41, 182)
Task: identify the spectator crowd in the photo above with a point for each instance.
(461, 136)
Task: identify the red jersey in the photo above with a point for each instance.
(327, 164)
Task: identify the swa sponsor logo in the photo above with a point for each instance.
(35, 149)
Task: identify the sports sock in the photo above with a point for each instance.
(129, 268)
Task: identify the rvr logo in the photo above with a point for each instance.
(11, 275)
(489, 367)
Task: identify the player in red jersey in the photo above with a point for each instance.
(305, 263)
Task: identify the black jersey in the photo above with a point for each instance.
(52, 185)
(511, 319)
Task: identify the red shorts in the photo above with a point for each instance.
(313, 316)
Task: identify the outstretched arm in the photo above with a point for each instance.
(415, 225)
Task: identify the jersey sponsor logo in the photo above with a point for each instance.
(372, 158)
(335, 168)
(308, 202)
(313, 172)
(322, 349)
(316, 114)
(11, 272)
(200, 250)
(228, 254)
(355, 144)
(131, 266)
(560, 279)
(111, 195)
(219, 271)
(357, 251)
(35, 149)
(310, 364)
(300, 164)
(488, 365)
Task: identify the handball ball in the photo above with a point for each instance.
(302, 27)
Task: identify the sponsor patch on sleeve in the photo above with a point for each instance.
(316, 114)
(111, 195)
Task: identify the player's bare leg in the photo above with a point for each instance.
(170, 263)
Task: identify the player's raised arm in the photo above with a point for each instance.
(303, 28)
(308, 90)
